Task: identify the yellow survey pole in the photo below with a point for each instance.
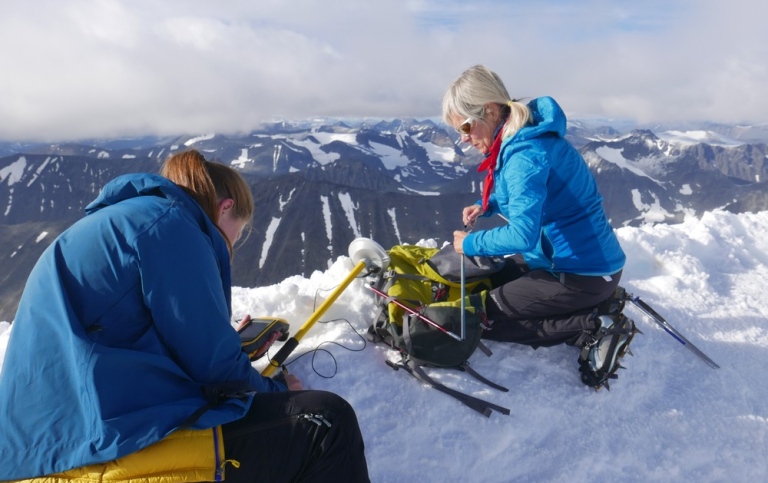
(291, 343)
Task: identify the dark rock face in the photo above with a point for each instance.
(317, 188)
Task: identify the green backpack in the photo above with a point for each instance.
(419, 300)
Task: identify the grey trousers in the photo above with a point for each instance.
(541, 308)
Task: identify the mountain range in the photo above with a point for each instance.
(319, 184)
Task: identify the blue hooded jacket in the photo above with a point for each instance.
(123, 326)
(545, 190)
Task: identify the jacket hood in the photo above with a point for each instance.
(548, 117)
(140, 184)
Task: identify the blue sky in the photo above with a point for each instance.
(108, 68)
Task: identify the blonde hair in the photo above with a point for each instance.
(478, 86)
(209, 183)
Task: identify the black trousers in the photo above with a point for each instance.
(302, 436)
(540, 308)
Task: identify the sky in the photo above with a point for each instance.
(668, 418)
(75, 69)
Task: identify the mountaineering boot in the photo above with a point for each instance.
(600, 355)
(613, 305)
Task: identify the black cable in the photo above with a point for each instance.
(318, 349)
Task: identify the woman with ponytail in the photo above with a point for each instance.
(123, 364)
(560, 283)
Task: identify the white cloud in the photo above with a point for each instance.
(87, 68)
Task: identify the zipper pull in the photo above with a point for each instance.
(317, 419)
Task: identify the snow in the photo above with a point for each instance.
(317, 154)
(10, 202)
(689, 138)
(324, 138)
(392, 212)
(285, 202)
(668, 418)
(350, 208)
(38, 171)
(269, 236)
(441, 154)
(242, 160)
(616, 156)
(14, 171)
(204, 137)
(327, 218)
(653, 213)
(391, 158)
(422, 193)
(276, 156)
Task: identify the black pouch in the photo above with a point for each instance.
(447, 263)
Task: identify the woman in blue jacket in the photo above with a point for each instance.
(123, 337)
(561, 280)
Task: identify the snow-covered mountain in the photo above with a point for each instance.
(320, 184)
(648, 178)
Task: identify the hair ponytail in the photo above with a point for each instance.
(474, 89)
(519, 116)
(208, 183)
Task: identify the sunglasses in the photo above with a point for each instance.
(465, 127)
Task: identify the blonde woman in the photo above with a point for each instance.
(564, 260)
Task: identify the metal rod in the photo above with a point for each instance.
(463, 302)
(411, 311)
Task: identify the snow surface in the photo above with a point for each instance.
(668, 418)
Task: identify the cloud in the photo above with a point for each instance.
(95, 68)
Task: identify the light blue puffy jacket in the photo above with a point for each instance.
(545, 190)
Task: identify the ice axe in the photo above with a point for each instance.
(365, 253)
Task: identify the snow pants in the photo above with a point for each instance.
(541, 308)
(302, 436)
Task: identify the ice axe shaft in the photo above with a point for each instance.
(293, 342)
(661, 321)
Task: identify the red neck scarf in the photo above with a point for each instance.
(489, 164)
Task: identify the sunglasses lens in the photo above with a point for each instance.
(465, 127)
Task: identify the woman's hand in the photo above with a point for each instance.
(458, 241)
(470, 214)
(265, 347)
(243, 323)
(293, 382)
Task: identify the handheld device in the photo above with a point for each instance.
(258, 331)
